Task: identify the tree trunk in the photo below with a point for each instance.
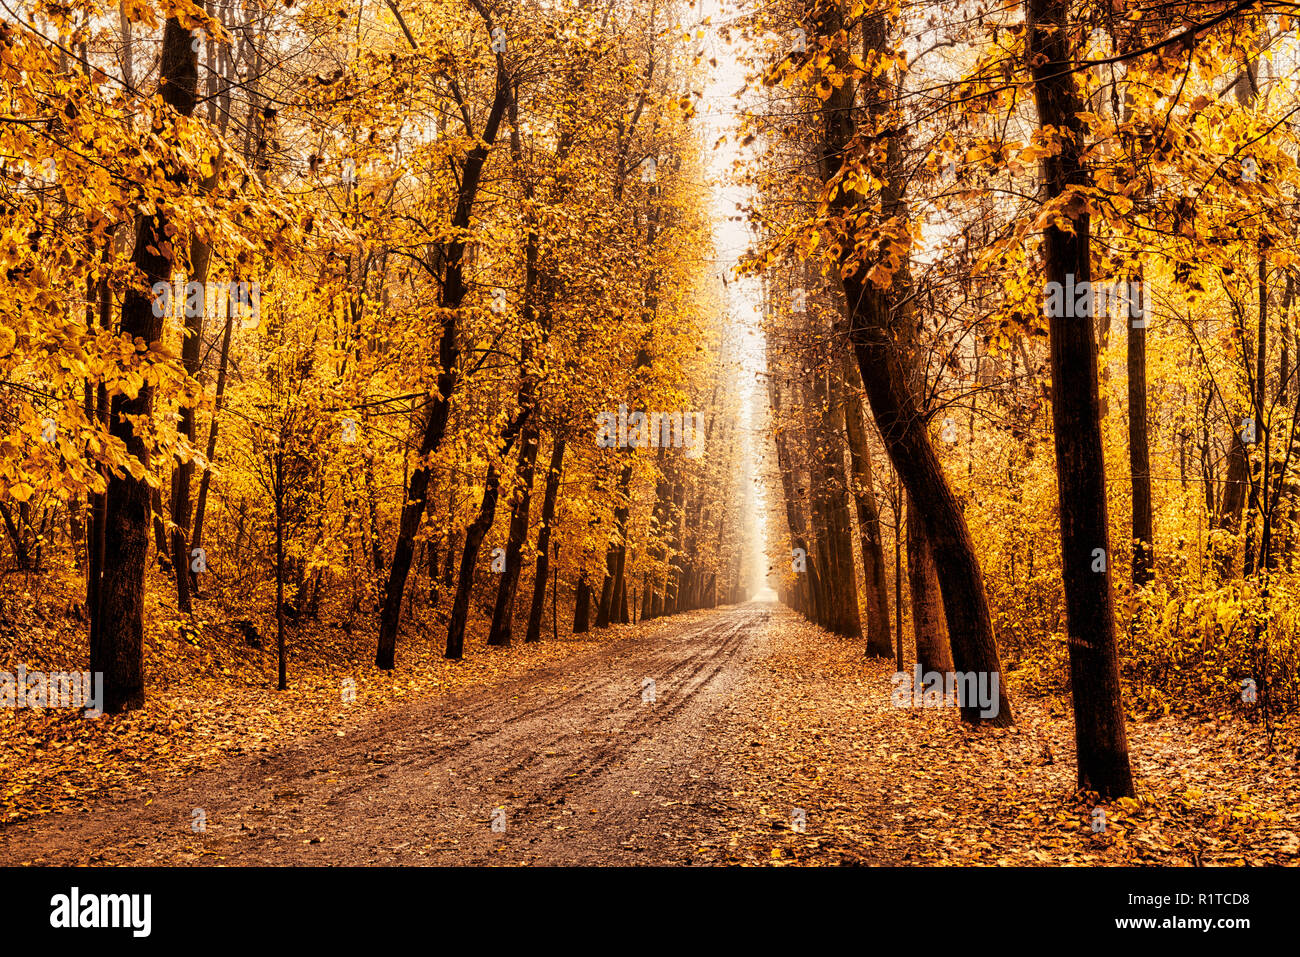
(200, 510)
(162, 548)
(1252, 562)
(279, 565)
(372, 512)
(582, 606)
(836, 484)
(897, 413)
(191, 357)
(1099, 732)
(898, 577)
(452, 295)
(879, 641)
(553, 472)
(1139, 457)
(615, 553)
(119, 651)
(929, 627)
(805, 589)
(433, 574)
(504, 610)
(97, 409)
(474, 536)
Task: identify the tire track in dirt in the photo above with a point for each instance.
(584, 770)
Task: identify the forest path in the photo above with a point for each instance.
(583, 769)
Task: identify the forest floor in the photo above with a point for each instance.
(763, 740)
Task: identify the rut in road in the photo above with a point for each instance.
(581, 768)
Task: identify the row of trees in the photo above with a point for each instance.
(958, 175)
(457, 232)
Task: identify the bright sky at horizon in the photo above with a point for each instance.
(743, 334)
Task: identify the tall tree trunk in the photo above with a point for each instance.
(279, 565)
(191, 357)
(805, 589)
(474, 536)
(449, 560)
(621, 602)
(1099, 732)
(119, 651)
(536, 312)
(898, 576)
(1273, 517)
(1260, 418)
(432, 555)
(677, 567)
(450, 300)
(97, 408)
(828, 604)
(1139, 456)
(1232, 503)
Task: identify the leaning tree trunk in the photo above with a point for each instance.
(898, 415)
(1099, 733)
(474, 536)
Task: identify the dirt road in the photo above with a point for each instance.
(582, 762)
